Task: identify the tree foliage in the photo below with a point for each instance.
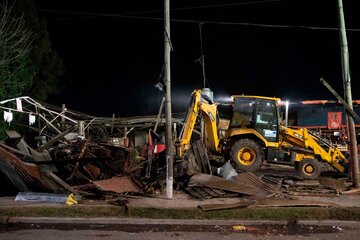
(16, 44)
(28, 64)
(47, 62)
(16, 77)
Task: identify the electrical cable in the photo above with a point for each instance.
(283, 26)
(205, 6)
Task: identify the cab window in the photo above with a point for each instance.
(243, 113)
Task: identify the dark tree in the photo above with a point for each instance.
(49, 66)
(16, 44)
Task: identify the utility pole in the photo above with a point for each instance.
(348, 97)
(168, 134)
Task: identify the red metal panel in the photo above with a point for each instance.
(334, 120)
(117, 184)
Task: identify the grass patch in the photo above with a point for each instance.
(289, 213)
(66, 211)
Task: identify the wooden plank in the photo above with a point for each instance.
(210, 207)
(197, 156)
(203, 157)
(292, 203)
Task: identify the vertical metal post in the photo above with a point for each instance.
(82, 128)
(112, 123)
(286, 113)
(348, 96)
(168, 134)
(63, 110)
(125, 137)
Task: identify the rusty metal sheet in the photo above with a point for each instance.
(275, 182)
(31, 174)
(17, 164)
(211, 181)
(251, 179)
(117, 184)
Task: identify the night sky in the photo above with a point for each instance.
(113, 51)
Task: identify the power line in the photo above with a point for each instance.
(199, 21)
(205, 6)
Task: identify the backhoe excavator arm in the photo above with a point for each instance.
(199, 104)
(302, 138)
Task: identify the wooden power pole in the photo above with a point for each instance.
(348, 97)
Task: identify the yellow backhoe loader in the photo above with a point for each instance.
(254, 135)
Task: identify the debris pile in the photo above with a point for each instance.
(64, 152)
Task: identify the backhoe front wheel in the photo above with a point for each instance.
(309, 168)
(246, 154)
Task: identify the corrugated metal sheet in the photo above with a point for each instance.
(251, 179)
(28, 176)
(207, 193)
(205, 180)
(117, 184)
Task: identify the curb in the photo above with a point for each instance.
(140, 221)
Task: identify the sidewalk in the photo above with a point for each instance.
(182, 209)
(182, 200)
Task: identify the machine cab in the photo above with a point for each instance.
(259, 113)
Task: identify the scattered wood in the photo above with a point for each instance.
(352, 191)
(81, 155)
(201, 156)
(291, 203)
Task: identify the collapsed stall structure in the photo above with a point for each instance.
(59, 147)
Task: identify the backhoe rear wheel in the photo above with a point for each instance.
(309, 168)
(246, 154)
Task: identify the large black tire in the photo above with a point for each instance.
(309, 168)
(246, 155)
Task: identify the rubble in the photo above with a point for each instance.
(66, 152)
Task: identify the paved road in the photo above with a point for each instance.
(144, 230)
(46, 234)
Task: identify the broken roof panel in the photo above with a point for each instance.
(117, 184)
